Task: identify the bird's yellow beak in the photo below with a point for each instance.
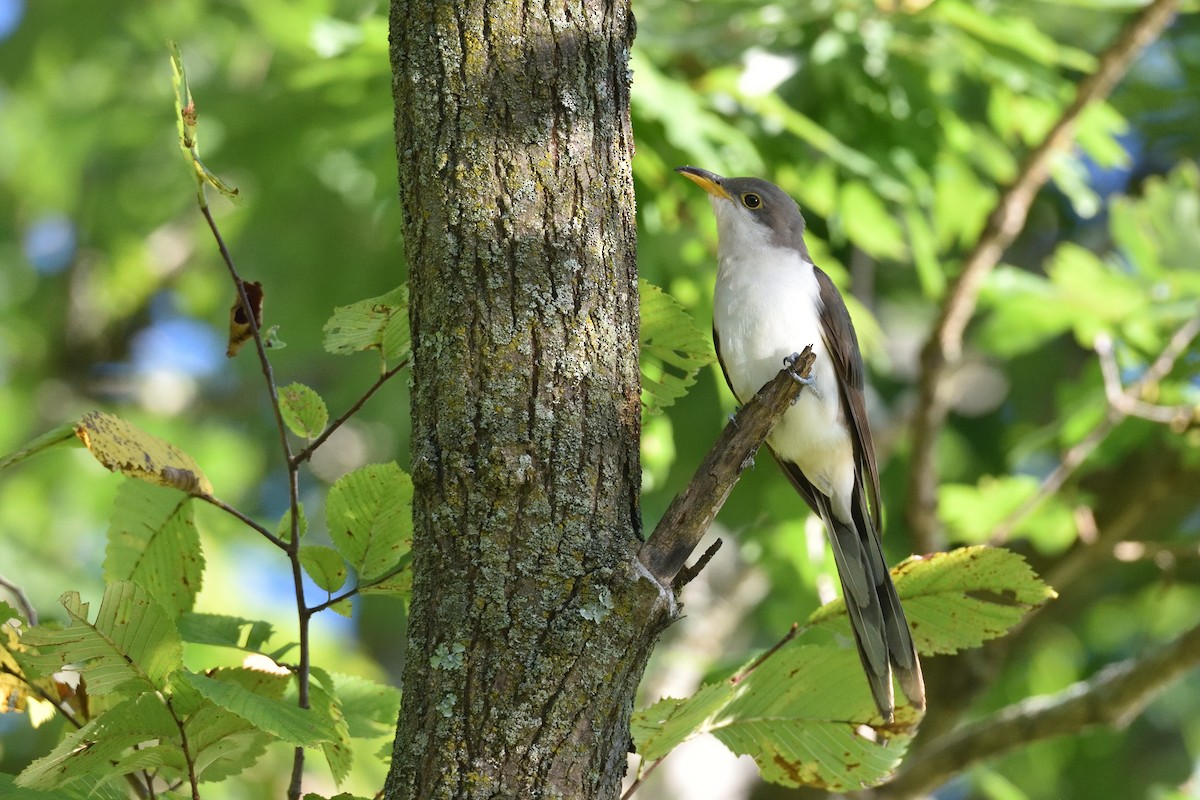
(708, 181)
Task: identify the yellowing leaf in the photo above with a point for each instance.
(240, 330)
(122, 447)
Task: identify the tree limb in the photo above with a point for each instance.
(944, 347)
(1113, 697)
(692, 511)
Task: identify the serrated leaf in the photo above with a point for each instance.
(379, 323)
(133, 646)
(122, 447)
(297, 726)
(100, 745)
(673, 348)
(369, 515)
(795, 714)
(223, 743)
(57, 437)
(958, 599)
(153, 541)
(324, 565)
(303, 410)
(225, 631)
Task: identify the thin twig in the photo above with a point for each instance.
(1113, 698)
(688, 574)
(307, 452)
(758, 662)
(228, 509)
(637, 783)
(394, 571)
(944, 347)
(1122, 403)
(18, 595)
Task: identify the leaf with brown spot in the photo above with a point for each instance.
(958, 599)
(123, 447)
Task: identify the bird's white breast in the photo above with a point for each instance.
(766, 306)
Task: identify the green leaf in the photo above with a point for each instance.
(224, 743)
(225, 631)
(62, 435)
(153, 541)
(101, 745)
(303, 410)
(324, 565)
(297, 726)
(795, 713)
(123, 447)
(397, 584)
(673, 348)
(958, 599)
(133, 647)
(369, 515)
(284, 529)
(379, 323)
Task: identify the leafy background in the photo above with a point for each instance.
(893, 124)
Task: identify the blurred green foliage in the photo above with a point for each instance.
(893, 124)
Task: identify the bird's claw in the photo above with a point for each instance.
(748, 463)
(789, 363)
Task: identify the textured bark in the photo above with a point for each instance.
(529, 631)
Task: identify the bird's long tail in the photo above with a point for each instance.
(880, 627)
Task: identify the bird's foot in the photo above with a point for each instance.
(789, 363)
(748, 463)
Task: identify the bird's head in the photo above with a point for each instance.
(751, 213)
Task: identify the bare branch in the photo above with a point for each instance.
(944, 347)
(1123, 402)
(233, 512)
(1112, 698)
(18, 594)
(693, 509)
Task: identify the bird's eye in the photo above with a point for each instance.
(751, 201)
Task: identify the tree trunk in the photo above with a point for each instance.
(529, 632)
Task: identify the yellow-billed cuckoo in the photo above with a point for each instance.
(771, 301)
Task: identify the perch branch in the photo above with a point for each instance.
(1113, 698)
(691, 512)
(1006, 220)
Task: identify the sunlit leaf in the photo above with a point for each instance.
(959, 599)
(379, 323)
(369, 515)
(132, 647)
(796, 714)
(324, 565)
(673, 348)
(105, 743)
(122, 447)
(153, 541)
(303, 410)
(297, 726)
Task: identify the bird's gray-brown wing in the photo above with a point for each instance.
(848, 363)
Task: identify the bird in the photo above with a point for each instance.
(770, 300)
